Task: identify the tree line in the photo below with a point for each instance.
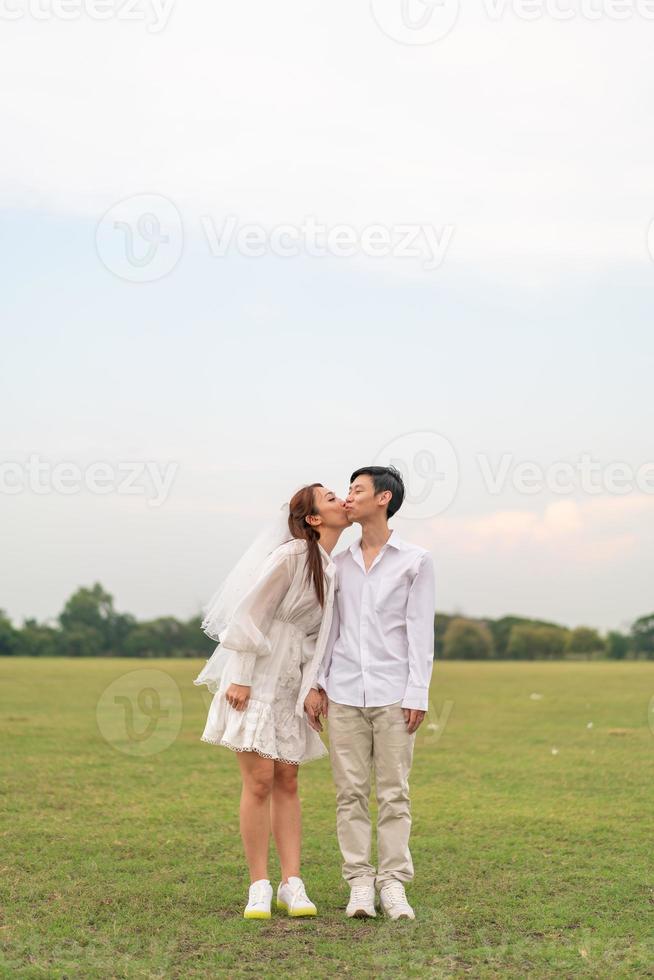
(517, 638)
(89, 626)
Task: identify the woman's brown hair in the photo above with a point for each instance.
(302, 505)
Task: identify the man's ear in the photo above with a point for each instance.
(385, 497)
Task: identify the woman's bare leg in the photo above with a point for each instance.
(286, 818)
(258, 775)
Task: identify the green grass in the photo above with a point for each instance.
(528, 863)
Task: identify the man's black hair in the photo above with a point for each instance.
(384, 478)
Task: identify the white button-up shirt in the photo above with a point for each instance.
(380, 648)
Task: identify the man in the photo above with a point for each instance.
(374, 686)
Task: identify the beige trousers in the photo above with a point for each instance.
(362, 740)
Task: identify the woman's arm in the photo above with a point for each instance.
(248, 627)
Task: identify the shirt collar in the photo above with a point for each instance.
(395, 541)
(325, 554)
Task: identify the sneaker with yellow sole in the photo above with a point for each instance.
(292, 898)
(259, 900)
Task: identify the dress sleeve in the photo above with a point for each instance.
(248, 627)
(323, 670)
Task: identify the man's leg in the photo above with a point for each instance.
(393, 755)
(350, 753)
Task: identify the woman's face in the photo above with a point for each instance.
(330, 508)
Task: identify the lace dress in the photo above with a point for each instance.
(274, 643)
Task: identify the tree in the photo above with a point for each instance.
(82, 641)
(38, 640)
(583, 639)
(536, 642)
(441, 622)
(501, 630)
(466, 639)
(9, 636)
(168, 637)
(617, 645)
(642, 636)
(143, 641)
(197, 643)
(90, 613)
(88, 607)
(119, 629)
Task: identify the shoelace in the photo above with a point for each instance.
(360, 894)
(394, 895)
(299, 892)
(258, 893)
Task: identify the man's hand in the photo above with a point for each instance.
(238, 696)
(315, 704)
(413, 719)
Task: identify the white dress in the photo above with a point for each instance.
(275, 641)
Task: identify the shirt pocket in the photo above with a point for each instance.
(390, 601)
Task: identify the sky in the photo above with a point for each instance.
(246, 247)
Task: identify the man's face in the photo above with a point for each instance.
(362, 502)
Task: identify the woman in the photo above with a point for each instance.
(272, 643)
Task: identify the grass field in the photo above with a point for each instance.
(121, 855)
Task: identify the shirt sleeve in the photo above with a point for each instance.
(248, 627)
(323, 670)
(421, 609)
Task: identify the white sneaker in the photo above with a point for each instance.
(260, 897)
(393, 901)
(293, 898)
(362, 902)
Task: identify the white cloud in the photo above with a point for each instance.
(579, 532)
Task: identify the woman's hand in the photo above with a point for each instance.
(315, 704)
(238, 696)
